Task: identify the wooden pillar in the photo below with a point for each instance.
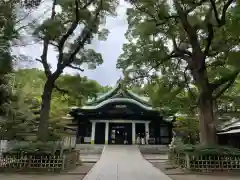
(78, 135)
(93, 132)
(147, 131)
(106, 132)
(133, 132)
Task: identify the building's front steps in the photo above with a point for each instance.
(90, 148)
(144, 149)
(153, 149)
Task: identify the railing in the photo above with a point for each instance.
(39, 163)
(32, 163)
(206, 163)
(66, 158)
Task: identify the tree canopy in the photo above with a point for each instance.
(70, 31)
(185, 45)
(30, 83)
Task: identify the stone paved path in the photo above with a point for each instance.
(124, 163)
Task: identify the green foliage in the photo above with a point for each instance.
(105, 89)
(80, 88)
(150, 44)
(57, 28)
(30, 83)
(229, 102)
(34, 148)
(70, 31)
(187, 53)
(7, 34)
(9, 31)
(206, 150)
(18, 122)
(22, 117)
(188, 127)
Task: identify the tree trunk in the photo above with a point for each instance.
(205, 103)
(207, 120)
(45, 110)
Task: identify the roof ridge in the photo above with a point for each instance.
(120, 85)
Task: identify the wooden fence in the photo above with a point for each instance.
(206, 163)
(40, 163)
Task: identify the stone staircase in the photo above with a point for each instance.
(153, 149)
(90, 148)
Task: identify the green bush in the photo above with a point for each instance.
(34, 148)
(206, 150)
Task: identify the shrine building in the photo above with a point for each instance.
(120, 117)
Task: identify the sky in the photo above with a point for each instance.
(105, 74)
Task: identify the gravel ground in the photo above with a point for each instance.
(76, 174)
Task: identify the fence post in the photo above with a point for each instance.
(187, 161)
(63, 161)
(29, 160)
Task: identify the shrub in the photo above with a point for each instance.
(34, 149)
(206, 150)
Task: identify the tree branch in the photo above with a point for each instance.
(187, 84)
(86, 34)
(164, 19)
(179, 51)
(219, 61)
(24, 17)
(68, 33)
(225, 8)
(191, 31)
(147, 73)
(218, 94)
(75, 67)
(216, 84)
(215, 11)
(72, 28)
(88, 4)
(171, 55)
(46, 42)
(221, 21)
(196, 4)
(209, 39)
(63, 91)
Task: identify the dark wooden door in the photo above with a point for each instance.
(100, 133)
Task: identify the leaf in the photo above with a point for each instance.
(102, 34)
(234, 59)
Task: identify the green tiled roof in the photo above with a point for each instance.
(143, 99)
(118, 99)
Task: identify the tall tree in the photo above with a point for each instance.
(69, 32)
(7, 34)
(187, 42)
(10, 25)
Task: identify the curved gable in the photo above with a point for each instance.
(119, 91)
(108, 101)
